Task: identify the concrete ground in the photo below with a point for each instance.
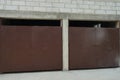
(94, 74)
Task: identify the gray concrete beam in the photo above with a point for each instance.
(58, 16)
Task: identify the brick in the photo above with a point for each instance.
(79, 2)
(18, 2)
(50, 1)
(74, 2)
(70, 6)
(32, 3)
(8, 2)
(26, 8)
(89, 2)
(118, 12)
(110, 3)
(88, 11)
(65, 10)
(77, 11)
(39, 9)
(100, 3)
(83, 6)
(2, 1)
(58, 5)
(105, 7)
(110, 12)
(46, 4)
(52, 9)
(117, 4)
(66, 1)
(94, 7)
(28, 0)
(11, 7)
(117, 8)
(100, 12)
(1, 6)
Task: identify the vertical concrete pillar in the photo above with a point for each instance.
(65, 25)
(117, 24)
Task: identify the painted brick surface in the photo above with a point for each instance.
(65, 6)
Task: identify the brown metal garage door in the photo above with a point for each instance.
(93, 47)
(30, 48)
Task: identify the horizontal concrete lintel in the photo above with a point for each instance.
(58, 16)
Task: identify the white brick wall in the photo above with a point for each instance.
(66, 6)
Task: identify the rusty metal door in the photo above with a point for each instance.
(93, 47)
(34, 48)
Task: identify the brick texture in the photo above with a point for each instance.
(65, 6)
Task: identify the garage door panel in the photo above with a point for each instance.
(47, 43)
(16, 46)
(82, 48)
(26, 48)
(107, 46)
(93, 47)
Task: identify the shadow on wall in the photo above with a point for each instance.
(22, 22)
(104, 24)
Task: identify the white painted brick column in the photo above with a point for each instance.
(65, 59)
